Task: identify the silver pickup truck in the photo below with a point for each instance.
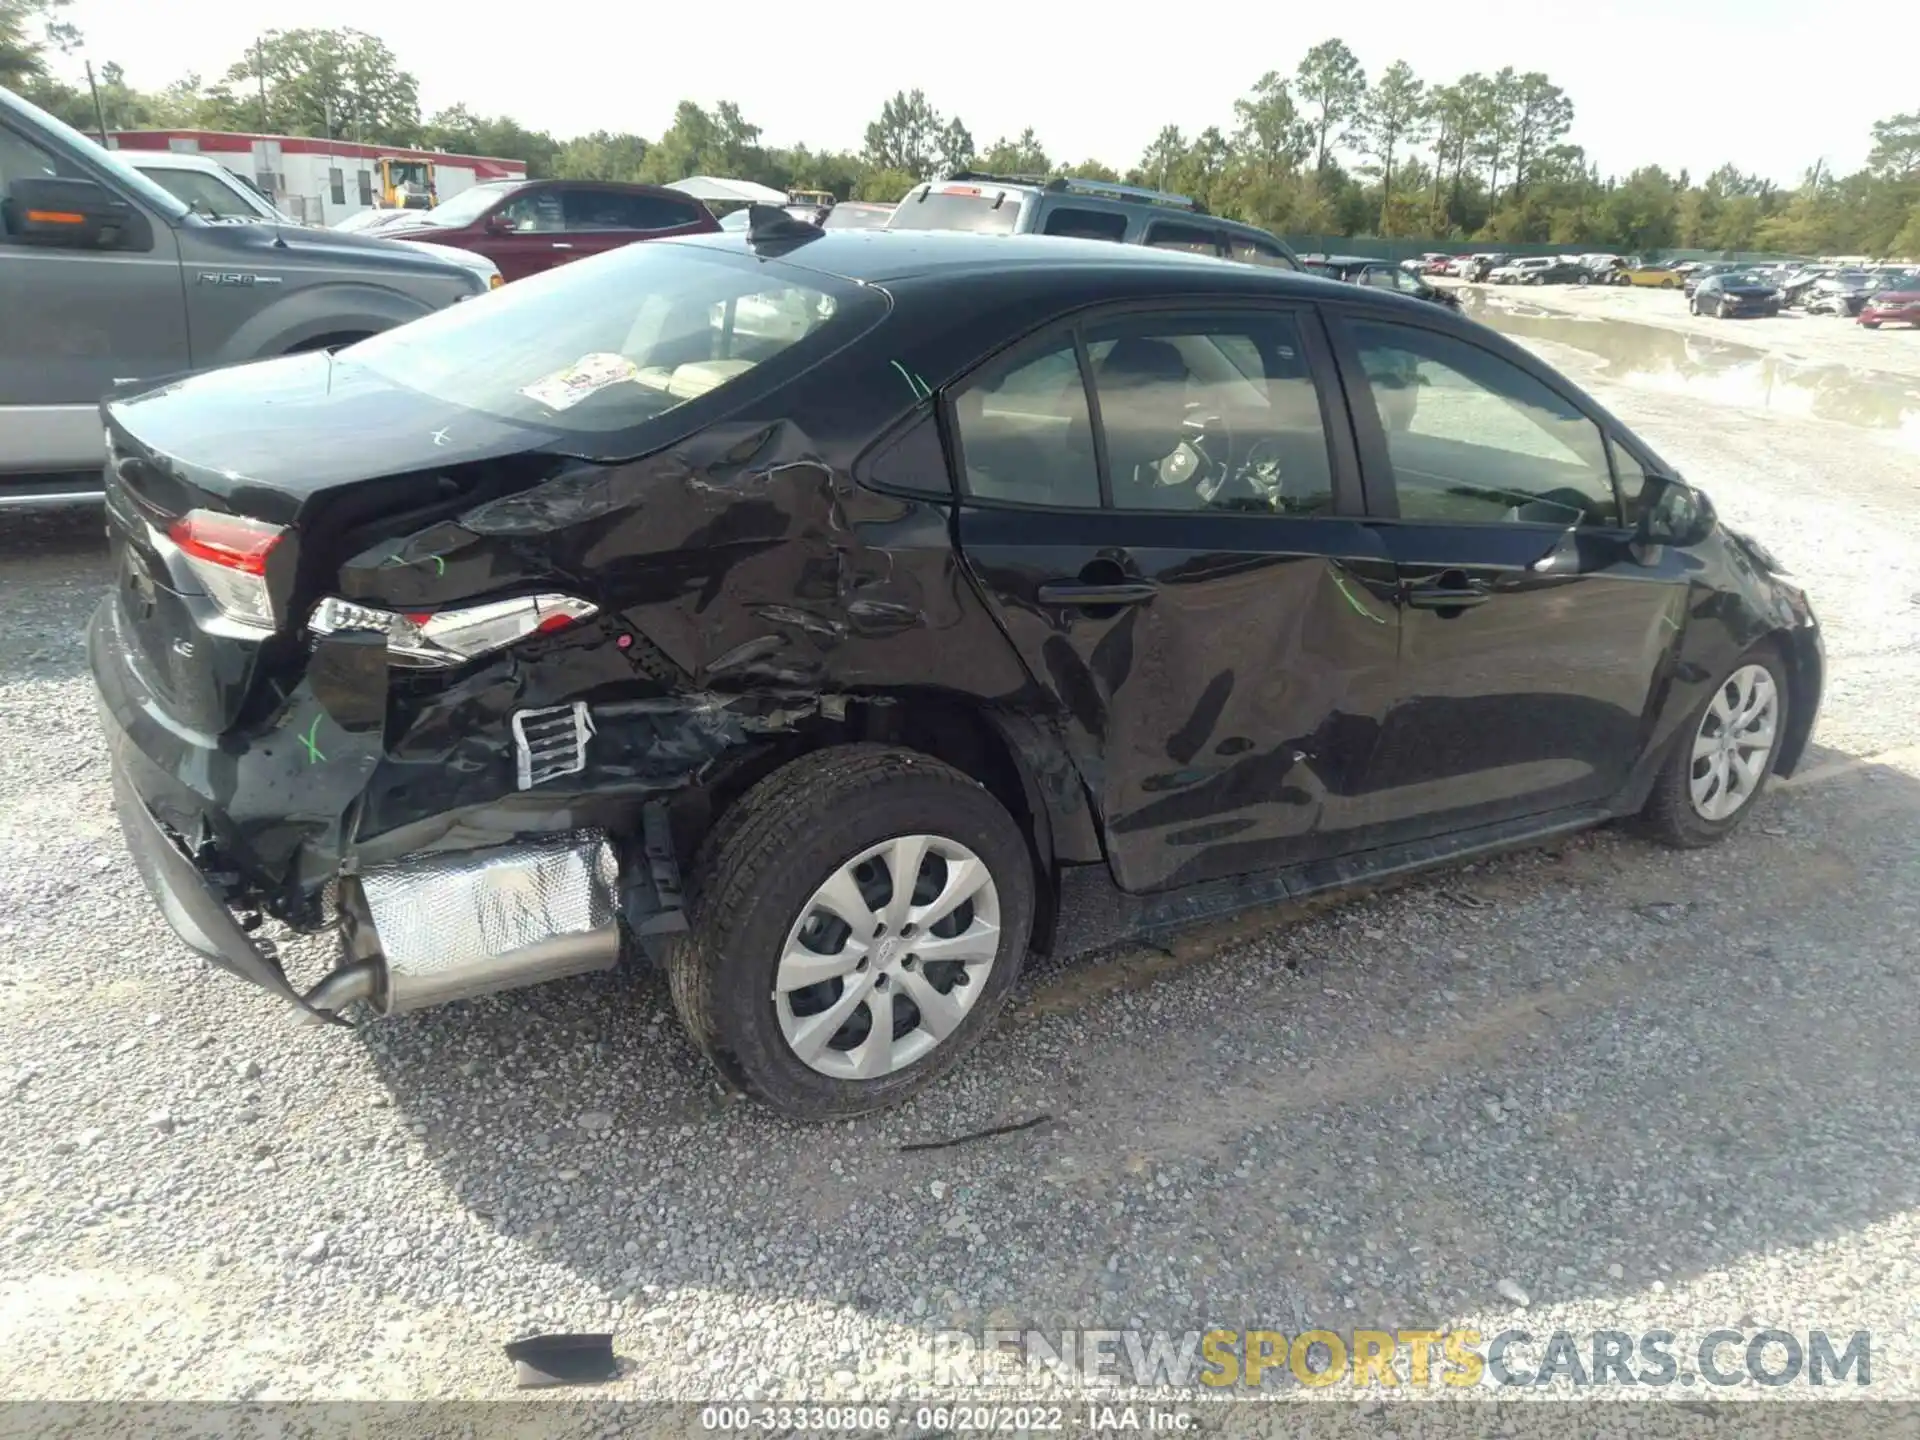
(106, 280)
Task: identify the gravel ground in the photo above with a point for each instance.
(1600, 1085)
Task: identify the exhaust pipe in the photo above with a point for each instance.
(439, 927)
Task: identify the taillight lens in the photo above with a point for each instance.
(444, 638)
(228, 555)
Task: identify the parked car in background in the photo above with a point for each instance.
(1075, 208)
(858, 215)
(212, 190)
(1380, 274)
(804, 701)
(1515, 272)
(1897, 305)
(527, 226)
(1844, 293)
(1797, 283)
(1479, 267)
(1734, 293)
(108, 279)
(1659, 277)
(1702, 273)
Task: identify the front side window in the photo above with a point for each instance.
(534, 212)
(612, 343)
(1210, 414)
(1473, 437)
(210, 195)
(468, 206)
(1193, 239)
(1025, 431)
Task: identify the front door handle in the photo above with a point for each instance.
(563, 244)
(1448, 592)
(1089, 592)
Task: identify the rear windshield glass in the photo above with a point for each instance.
(992, 213)
(614, 342)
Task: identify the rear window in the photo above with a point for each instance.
(611, 343)
(991, 212)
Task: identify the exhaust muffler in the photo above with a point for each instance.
(438, 927)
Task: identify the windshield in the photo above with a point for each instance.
(207, 194)
(993, 212)
(468, 206)
(116, 168)
(613, 342)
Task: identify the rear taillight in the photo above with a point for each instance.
(444, 638)
(228, 554)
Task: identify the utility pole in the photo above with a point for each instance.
(260, 73)
(99, 114)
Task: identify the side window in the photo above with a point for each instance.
(1256, 252)
(1381, 278)
(534, 212)
(1194, 239)
(1210, 414)
(912, 460)
(1025, 434)
(1473, 437)
(586, 208)
(1081, 224)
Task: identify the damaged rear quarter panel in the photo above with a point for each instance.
(741, 575)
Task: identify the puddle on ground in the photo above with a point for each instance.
(1722, 371)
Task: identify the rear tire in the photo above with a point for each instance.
(828, 827)
(1684, 809)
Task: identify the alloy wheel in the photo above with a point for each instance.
(1734, 744)
(888, 957)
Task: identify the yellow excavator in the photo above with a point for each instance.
(407, 184)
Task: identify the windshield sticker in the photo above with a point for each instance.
(588, 375)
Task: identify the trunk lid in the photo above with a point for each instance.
(277, 430)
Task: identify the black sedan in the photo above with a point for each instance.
(1733, 294)
(844, 618)
(1380, 274)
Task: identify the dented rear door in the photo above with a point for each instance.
(1223, 670)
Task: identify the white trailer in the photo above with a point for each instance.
(319, 181)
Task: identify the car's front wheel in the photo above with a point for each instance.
(1721, 761)
(857, 919)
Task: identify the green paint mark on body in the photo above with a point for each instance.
(314, 756)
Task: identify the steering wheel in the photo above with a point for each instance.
(1209, 435)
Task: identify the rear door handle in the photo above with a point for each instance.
(563, 244)
(1434, 596)
(1085, 592)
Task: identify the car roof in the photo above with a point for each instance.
(933, 257)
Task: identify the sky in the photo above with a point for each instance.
(1760, 83)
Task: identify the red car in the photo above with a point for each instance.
(526, 226)
(1896, 307)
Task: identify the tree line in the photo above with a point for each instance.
(1325, 149)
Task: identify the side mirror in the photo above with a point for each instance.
(1672, 512)
(72, 214)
